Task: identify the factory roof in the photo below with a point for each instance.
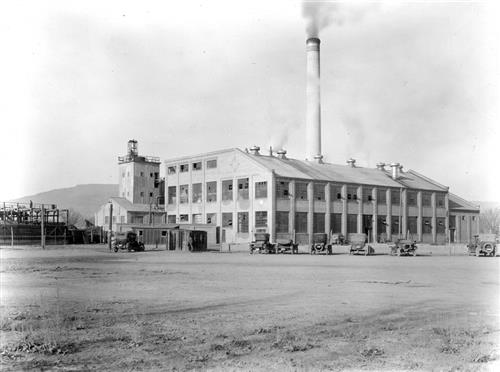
(134, 207)
(457, 203)
(303, 169)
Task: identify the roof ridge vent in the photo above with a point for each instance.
(254, 150)
(351, 162)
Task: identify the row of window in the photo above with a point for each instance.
(227, 192)
(283, 192)
(196, 166)
(227, 220)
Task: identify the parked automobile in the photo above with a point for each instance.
(337, 239)
(127, 241)
(320, 245)
(483, 244)
(261, 244)
(286, 246)
(404, 247)
(359, 245)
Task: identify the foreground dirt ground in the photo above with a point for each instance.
(89, 309)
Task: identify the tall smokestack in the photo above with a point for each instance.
(313, 121)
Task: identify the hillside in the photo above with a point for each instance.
(85, 199)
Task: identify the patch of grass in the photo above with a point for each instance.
(291, 343)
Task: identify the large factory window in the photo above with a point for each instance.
(352, 193)
(243, 188)
(282, 222)
(395, 197)
(411, 198)
(367, 194)
(212, 164)
(183, 218)
(440, 200)
(171, 170)
(197, 194)
(212, 218)
(381, 196)
(211, 192)
(171, 218)
(352, 223)
(198, 218)
(227, 219)
(227, 190)
(336, 222)
(426, 199)
(184, 194)
(197, 166)
(172, 195)
(426, 225)
(319, 192)
(440, 221)
(335, 192)
(261, 189)
(243, 222)
(261, 219)
(106, 219)
(282, 190)
(301, 222)
(412, 225)
(301, 191)
(184, 168)
(395, 225)
(318, 223)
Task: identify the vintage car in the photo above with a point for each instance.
(359, 245)
(127, 241)
(404, 247)
(261, 244)
(287, 246)
(320, 245)
(483, 244)
(337, 239)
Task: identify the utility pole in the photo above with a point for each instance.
(110, 233)
(43, 227)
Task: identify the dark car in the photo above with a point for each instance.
(483, 244)
(320, 245)
(404, 247)
(127, 241)
(261, 244)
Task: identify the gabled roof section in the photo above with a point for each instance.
(459, 204)
(415, 180)
(204, 155)
(131, 207)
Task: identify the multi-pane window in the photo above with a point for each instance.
(426, 199)
(261, 189)
(301, 191)
(197, 193)
(172, 195)
(367, 194)
(395, 197)
(335, 192)
(381, 196)
(183, 218)
(243, 222)
(227, 190)
(197, 166)
(440, 228)
(395, 225)
(184, 194)
(171, 170)
(171, 218)
(212, 218)
(198, 218)
(183, 168)
(336, 222)
(352, 223)
(318, 222)
(282, 222)
(227, 219)
(412, 225)
(352, 193)
(411, 198)
(211, 191)
(106, 219)
(301, 222)
(426, 225)
(282, 189)
(440, 200)
(261, 219)
(243, 188)
(319, 191)
(211, 164)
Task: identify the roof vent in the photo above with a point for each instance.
(395, 170)
(351, 162)
(254, 150)
(281, 154)
(381, 166)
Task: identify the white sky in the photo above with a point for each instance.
(416, 83)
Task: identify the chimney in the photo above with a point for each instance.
(270, 151)
(351, 162)
(282, 154)
(132, 148)
(395, 170)
(254, 150)
(381, 166)
(313, 119)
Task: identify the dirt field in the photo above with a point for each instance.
(88, 309)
